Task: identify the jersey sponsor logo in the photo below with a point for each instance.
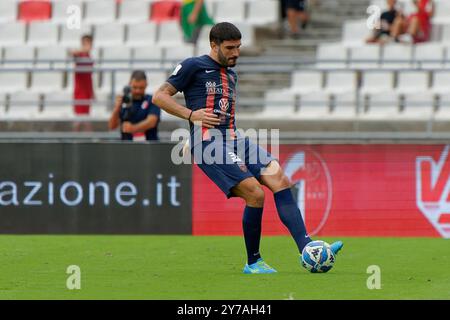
(433, 190)
(177, 68)
(211, 84)
(224, 105)
(312, 187)
(213, 88)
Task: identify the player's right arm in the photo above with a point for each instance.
(163, 98)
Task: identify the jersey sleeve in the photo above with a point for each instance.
(182, 74)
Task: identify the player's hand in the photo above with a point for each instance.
(128, 127)
(208, 119)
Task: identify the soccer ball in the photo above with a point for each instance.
(317, 257)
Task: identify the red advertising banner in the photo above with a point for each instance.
(346, 190)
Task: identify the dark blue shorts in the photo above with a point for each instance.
(240, 159)
(299, 5)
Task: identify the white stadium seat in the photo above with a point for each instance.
(12, 34)
(369, 53)
(306, 81)
(355, 33)
(344, 105)
(429, 51)
(134, 11)
(141, 34)
(331, 56)
(442, 12)
(57, 105)
(152, 53)
(397, 56)
(381, 105)
(263, 12)
(173, 56)
(99, 109)
(170, 34)
(446, 34)
(447, 57)
(23, 105)
(42, 34)
(155, 79)
(440, 82)
(13, 81)
(418, 105)
(100, 11)
(211, 7)
(43, 81)
(414, 81)
(109, 34)
(122, 78)
(278, 103)
(50, 53)
(314, 105)
(443, 113)
(230, 11)
(115, 53)
(203, 45)
(377, 81)
(248, 34)
(8, 11)
(25, 53)
(340, 82)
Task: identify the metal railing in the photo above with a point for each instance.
(249, 65)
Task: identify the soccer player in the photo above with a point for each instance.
(209, 86)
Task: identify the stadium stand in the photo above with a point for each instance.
(404, 91)
(329, 74)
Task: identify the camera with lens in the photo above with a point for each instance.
(127, 111)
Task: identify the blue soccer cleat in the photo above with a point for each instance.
(336, 246)
(258, 267)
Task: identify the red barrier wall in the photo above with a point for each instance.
(346, 190)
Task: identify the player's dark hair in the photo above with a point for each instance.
(138, 75)
(87, 37)
(224, 31)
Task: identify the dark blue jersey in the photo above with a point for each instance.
(139, 111)
(206, 84)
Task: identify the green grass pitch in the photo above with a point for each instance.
(187, 267)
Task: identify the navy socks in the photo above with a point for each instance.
(291, 217)
(251, 224)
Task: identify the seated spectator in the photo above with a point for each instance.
(383, 31)
(417, 27)
(134, 111)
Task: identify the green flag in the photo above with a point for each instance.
(189, 30)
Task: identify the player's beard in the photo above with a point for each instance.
(226, 62)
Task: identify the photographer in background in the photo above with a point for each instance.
(134, 111)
